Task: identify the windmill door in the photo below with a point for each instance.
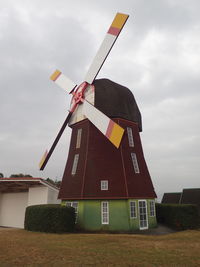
(143, 217)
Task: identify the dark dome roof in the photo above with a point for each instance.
(116, 101)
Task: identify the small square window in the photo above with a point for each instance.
(104, 185)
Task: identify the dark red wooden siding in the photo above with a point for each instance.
(100, 160)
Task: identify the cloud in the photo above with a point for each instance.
(156, 56)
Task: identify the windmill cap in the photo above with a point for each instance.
(116, 101)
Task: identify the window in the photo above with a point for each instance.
(104, 212)
(130, 137)
(143, 218)
(133, 213)
(75, 163)
(78, 139)
(135, 163)
(104, 185)
(152, 208)
(73, 204)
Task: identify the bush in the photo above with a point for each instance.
(51, 218)
(178, 216)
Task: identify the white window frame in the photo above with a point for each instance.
(130, 136)
(135, 163)
(75, 164)
(133, 209)
(78, 138)
(104, 184)
(73, 204)
(152, 208)
(105, 212)
(143, 217)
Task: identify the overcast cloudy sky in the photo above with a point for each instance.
(157, 56)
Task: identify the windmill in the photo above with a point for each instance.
(106, 178)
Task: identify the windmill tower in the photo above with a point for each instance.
(106, 178)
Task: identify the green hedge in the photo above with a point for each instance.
(178, 216)
(51, 218)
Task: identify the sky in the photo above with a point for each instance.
(157, 56)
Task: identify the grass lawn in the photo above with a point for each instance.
(22, 248)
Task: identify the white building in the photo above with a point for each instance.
(18, 193)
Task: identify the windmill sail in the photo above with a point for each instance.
(107, 44)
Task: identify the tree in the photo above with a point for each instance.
(20, 175)
(56, 182)
(1, 175)
(50, 181)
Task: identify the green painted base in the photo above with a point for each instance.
(89, 215)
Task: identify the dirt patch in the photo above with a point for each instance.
(160, 230)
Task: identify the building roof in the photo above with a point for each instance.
(171, 198)
(116, 101)
(22, 184)
(190, 196)
(98, 160)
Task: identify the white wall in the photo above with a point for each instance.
(37, 195)
(12, 209)
(53, 196)
(13, 205)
